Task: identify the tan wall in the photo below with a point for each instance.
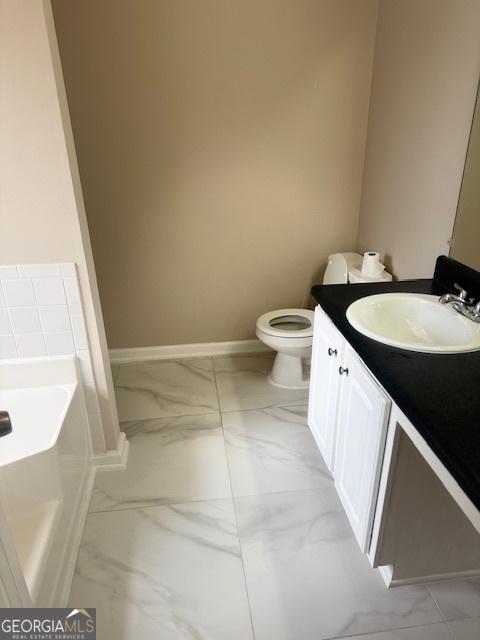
(427, 63)
(221, 147)
(42, 218)
(466, 233)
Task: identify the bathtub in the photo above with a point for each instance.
(46, 478)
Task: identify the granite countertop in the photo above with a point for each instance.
(439, 394)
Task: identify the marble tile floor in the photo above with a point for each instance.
(226, 524)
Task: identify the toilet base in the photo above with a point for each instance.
(287, 372)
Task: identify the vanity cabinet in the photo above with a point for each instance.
(327, 354)
(360, 441)
(348, 416)
(407, 511)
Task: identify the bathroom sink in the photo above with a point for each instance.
(414, 321)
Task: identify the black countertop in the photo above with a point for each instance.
(439, 394)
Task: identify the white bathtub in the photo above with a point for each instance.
(46, 474)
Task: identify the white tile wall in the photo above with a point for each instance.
(18, 292)
(40, 315)
(41, 310)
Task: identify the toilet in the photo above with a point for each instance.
(289, 332)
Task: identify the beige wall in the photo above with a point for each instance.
(221, 148)
(427, 63)
(466, 233)
(42, 218)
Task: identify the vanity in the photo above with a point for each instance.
(400, 432)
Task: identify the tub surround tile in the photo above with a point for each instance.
(49, 291)
(173, 573)
(60, 344)
(55, 319)
(46, 270)
(8, 348)
(242, 383)
(165, 389)
(457, 599)
(25, 320)
(468, 629)
(72, 293)
(306, 577)
(171, 460)
(272, 450)
(5, 326)
(18, 293)
(8, 271)
(68, 269)
(30, 345)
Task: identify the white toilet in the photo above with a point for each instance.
(289, 332)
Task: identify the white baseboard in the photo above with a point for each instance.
(386, 571)
(387, 574)
(196, 350)
(114, 459)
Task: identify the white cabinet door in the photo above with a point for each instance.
(327, 354)
(361, 432)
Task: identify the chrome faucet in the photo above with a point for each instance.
(462, 303)
(5, 424)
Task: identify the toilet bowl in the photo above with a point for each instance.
(289, 332)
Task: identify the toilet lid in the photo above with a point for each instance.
(291, 323)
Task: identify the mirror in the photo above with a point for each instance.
(465, 246)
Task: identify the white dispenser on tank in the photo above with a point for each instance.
(346, 268)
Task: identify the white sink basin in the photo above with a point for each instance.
(414, 321)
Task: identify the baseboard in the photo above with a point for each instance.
(387, 575)
(114, 459)
(196, 350)
(386, 571)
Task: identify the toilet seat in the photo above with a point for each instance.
(266, 323)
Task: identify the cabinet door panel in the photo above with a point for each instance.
(361, 432)
(327, 354)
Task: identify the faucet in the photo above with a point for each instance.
(462, 303)
(5, 424)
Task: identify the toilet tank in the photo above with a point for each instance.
(339, 266)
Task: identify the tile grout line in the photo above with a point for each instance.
(234, 505)
(194, 501)
(211, 413)
(182, 415)
(369, 634)
(450, 632)
(436, 603)
(444, 618)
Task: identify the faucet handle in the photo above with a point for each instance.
(462, 293)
